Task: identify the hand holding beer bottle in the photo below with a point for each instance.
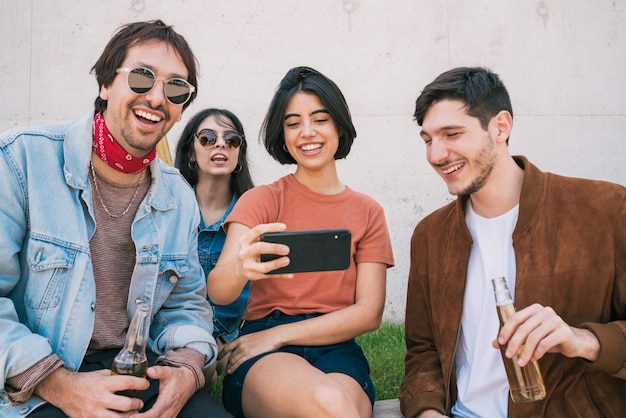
(525, 383)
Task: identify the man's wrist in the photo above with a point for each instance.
(589, 344)
(26, 382)
(188, 358)
(51, 385)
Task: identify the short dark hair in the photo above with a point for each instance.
(481, 90)
(307, 80)
(239, 181)
(138, 33)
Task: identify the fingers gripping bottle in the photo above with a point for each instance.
(132, 360)
(525, 383)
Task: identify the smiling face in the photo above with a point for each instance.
(458, 148)
(311, 135)
(218, 160)
(137, 121)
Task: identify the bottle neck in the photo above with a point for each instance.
(501, 292)
(138, 331)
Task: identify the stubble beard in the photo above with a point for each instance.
(136, 139)
(485, 162)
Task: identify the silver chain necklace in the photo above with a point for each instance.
(95, 183)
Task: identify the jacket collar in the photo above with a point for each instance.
(533, 191)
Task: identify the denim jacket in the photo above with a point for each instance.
(47, 288)
(226, 318)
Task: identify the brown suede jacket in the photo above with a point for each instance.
(570, 247)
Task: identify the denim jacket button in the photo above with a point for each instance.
(173, 279)
(24, 409)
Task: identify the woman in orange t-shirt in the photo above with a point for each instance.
(296, 353)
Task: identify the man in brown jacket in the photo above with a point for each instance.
(560, 243)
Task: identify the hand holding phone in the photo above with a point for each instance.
(312, 250)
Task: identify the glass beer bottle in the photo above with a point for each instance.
(525, 383)
(132, 359)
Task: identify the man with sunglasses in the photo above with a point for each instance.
(91, 220)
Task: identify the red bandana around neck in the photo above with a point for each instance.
(112, 153)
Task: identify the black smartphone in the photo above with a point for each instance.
(312, 250)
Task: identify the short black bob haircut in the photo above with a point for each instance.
(308, 80)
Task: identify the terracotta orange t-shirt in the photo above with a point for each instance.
(291, 203)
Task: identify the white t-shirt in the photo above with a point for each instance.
(483, 390)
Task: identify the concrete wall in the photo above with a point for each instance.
(564, 62)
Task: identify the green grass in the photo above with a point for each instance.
(385, 350)
(216, 391)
